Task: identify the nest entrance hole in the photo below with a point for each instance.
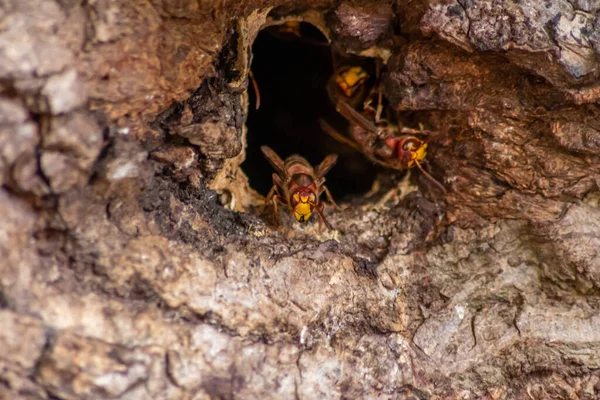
(292, 73)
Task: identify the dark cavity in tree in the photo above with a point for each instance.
(292, 74)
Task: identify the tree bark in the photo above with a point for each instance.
(133, 262)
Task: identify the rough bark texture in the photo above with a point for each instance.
(122, 275)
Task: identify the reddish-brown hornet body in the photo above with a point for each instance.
(385, 144)
(298, 185)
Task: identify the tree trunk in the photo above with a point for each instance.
(134, 261)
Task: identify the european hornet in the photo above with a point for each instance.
(383, 143)
(289, 27)
(296, 30)
(348, 82)
(298, 185)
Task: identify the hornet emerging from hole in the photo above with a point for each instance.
(391, 146)
(298, 185)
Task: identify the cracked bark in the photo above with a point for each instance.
(123, 275)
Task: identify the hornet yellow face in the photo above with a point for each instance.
(411, 150)
(292, 27)
(351, 79)
(303, 204)
(418, 151)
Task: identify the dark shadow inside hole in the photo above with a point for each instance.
(292, 73)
